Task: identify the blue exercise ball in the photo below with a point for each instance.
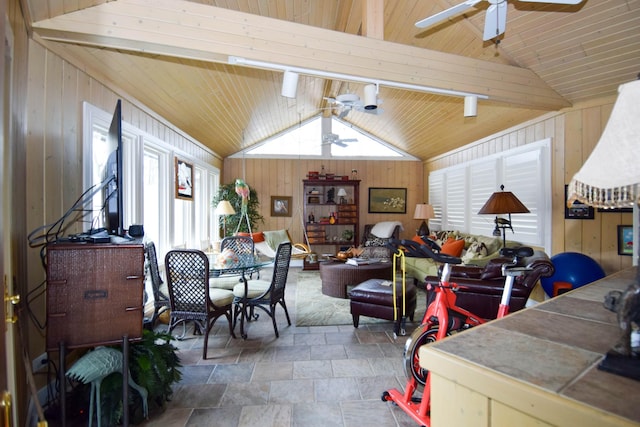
(572, 267)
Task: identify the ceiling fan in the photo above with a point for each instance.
(332, 138)
(350, 101)
(495, 21)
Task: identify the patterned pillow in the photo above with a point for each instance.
(373, 240)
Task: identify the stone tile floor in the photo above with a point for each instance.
(310, 376)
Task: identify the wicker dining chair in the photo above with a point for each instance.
(263, 294)
(160, 299)
(192, 300)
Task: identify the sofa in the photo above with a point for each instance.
(481, 288)
(477, 250)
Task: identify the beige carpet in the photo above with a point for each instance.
(315, 309)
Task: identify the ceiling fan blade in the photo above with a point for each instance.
(348, 140)
(447, 13)
(553, 1)
(495, 21)
(339, 143)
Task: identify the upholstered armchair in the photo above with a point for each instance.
(375, 238)
(481, 287)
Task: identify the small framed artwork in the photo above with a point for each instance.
(184, 180)
(280, 206)
(387, 200)
(577, 210)
(625, 240)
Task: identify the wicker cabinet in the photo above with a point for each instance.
(331, 214)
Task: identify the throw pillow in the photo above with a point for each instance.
(453, 247)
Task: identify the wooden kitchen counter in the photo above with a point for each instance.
(536, 367)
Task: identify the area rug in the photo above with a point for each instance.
(315, 309)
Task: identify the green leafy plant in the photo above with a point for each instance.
(228, 192)
(154, 365)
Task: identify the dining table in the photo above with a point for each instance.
(243, 266)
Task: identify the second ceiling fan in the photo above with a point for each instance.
(495, 21)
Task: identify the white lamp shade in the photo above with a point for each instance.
(342, 192)
(470, 106)
(225, 208)
(289, 84)
(610, 176)
(370, 97)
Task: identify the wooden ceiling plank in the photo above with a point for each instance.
(81, 28)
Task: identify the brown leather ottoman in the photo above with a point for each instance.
(374, 298)
(336, 276)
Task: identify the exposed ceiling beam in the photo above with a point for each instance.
(196, 31)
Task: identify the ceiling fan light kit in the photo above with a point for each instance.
(495, 20)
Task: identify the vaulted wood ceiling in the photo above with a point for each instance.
(173, 57)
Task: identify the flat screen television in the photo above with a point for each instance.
(113, 195)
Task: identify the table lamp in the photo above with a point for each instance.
(500, 203)
(609, 179)
(342, 193)
(224, 208)
(424, 212)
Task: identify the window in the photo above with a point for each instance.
(459, 192)
(309, 139)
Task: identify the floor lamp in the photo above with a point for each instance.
(500, 203)
(610, 179)
(224, 208)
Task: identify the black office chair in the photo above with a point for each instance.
(192, 300)
(264, 294)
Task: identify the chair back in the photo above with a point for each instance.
(154, 272)
(188, 282)
(280, 271)
(242, 246)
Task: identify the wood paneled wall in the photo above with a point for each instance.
(51, 164)
(574, 133)
(284, 178)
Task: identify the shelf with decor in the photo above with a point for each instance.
(331, 212)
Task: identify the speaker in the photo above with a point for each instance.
(94, 294)
(136, 230)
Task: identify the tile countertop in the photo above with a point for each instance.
(552, 351)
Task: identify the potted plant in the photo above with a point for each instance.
(154, 365)
(347, 235)
(228, 192)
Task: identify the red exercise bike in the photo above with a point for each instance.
(442, 318)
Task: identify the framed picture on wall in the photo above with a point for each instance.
(387, 200)
(625, 240)
(577, 210)
(184, 180)
(280, 206)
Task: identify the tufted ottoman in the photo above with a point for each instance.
(374, 298)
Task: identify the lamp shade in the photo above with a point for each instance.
(342, 192)
(225, 208)
(503, 202)
(610, 176)
(423, 211)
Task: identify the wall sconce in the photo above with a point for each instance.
(470, 106)
(289, 84)
(423, 212)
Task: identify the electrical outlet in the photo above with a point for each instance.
(39, 362)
